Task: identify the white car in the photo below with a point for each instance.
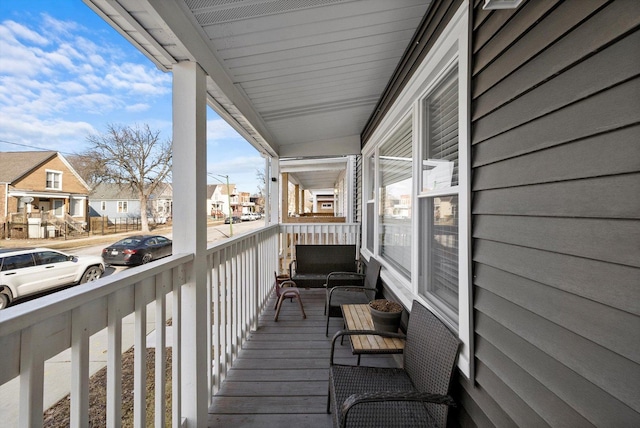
(26, 271)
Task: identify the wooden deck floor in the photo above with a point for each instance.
(280, 378)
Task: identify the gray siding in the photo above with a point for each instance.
(556, 215)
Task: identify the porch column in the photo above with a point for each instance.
(190, 232)
(273, 195)
(285, 196)
(297, 196)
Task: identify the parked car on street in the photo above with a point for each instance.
(26, 271)
(234, 219)
(137, 250)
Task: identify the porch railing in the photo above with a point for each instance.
(239, 281)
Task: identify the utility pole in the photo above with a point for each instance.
(228, 199)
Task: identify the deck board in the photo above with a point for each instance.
(281, 374)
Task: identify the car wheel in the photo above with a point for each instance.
(4, 300)
(91, 274)
(146, 258)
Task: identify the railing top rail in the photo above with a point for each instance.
(234, 240)
(28, 313)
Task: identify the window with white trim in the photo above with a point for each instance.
(370, 190)
(419, 156)
(77, 207)
(123, 207)
(54, 180)
(395, 166)
(103, 205)
(439, 208)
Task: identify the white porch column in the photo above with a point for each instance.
(274, 192)
(190, 231)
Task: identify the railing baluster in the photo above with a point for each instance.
(31, 380)
(160, 355)
(79, 367)
(140, 359)
(114, 360)
(176, 350)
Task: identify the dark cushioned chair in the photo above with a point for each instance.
(413, 396)
(361, 289)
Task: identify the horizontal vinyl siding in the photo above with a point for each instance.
(556, 215)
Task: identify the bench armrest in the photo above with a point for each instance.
(341, 333)
(291, 265)
(385, 396)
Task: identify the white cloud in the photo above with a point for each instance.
(138, 107)
(19, 31)
(220, 131)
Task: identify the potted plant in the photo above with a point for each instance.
(385, 314)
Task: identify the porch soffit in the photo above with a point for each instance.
(295, 78)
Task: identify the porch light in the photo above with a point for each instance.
(501, 4)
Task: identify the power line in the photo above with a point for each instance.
(35, 147)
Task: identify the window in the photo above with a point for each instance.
(58, 207)
(395, 169)
(103, 205)
(439, 207)
(122, 207)
(77, 207)
(48, 257)
(54, 180)
(371, 195)
(18, 261)
(417, 186)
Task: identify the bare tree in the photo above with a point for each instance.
(133, 157)
(91, 169)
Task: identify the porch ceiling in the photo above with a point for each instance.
(296, 78)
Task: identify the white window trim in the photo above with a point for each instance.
(451, 48)
(46, 176)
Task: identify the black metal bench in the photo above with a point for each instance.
(415, 395)
(313, 263)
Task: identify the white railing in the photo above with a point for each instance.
(35, 331)
(239, 281)
(241, 274)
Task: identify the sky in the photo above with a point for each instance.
(66, 74)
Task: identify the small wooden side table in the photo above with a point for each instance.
(357, 317)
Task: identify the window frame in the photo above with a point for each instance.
(122, 207)
(450, 50)
(46, 179)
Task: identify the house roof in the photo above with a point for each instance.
(113, 191)
(16, 164)
(122, 192)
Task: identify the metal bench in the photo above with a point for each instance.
(313, 263)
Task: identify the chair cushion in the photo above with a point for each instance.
(348, 380)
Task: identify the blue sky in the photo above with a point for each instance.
(65, 74)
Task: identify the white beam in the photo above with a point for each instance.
(190, 231)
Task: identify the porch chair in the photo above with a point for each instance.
(286, 289)
(415, 395)
(364, 292)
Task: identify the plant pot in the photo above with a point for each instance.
(385, 320)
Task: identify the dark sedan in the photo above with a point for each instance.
(137, 250)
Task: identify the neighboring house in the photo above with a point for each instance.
(323, 203)
(41, 187)
(218, 201)
(117, 202)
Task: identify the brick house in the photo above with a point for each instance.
(38, 188)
